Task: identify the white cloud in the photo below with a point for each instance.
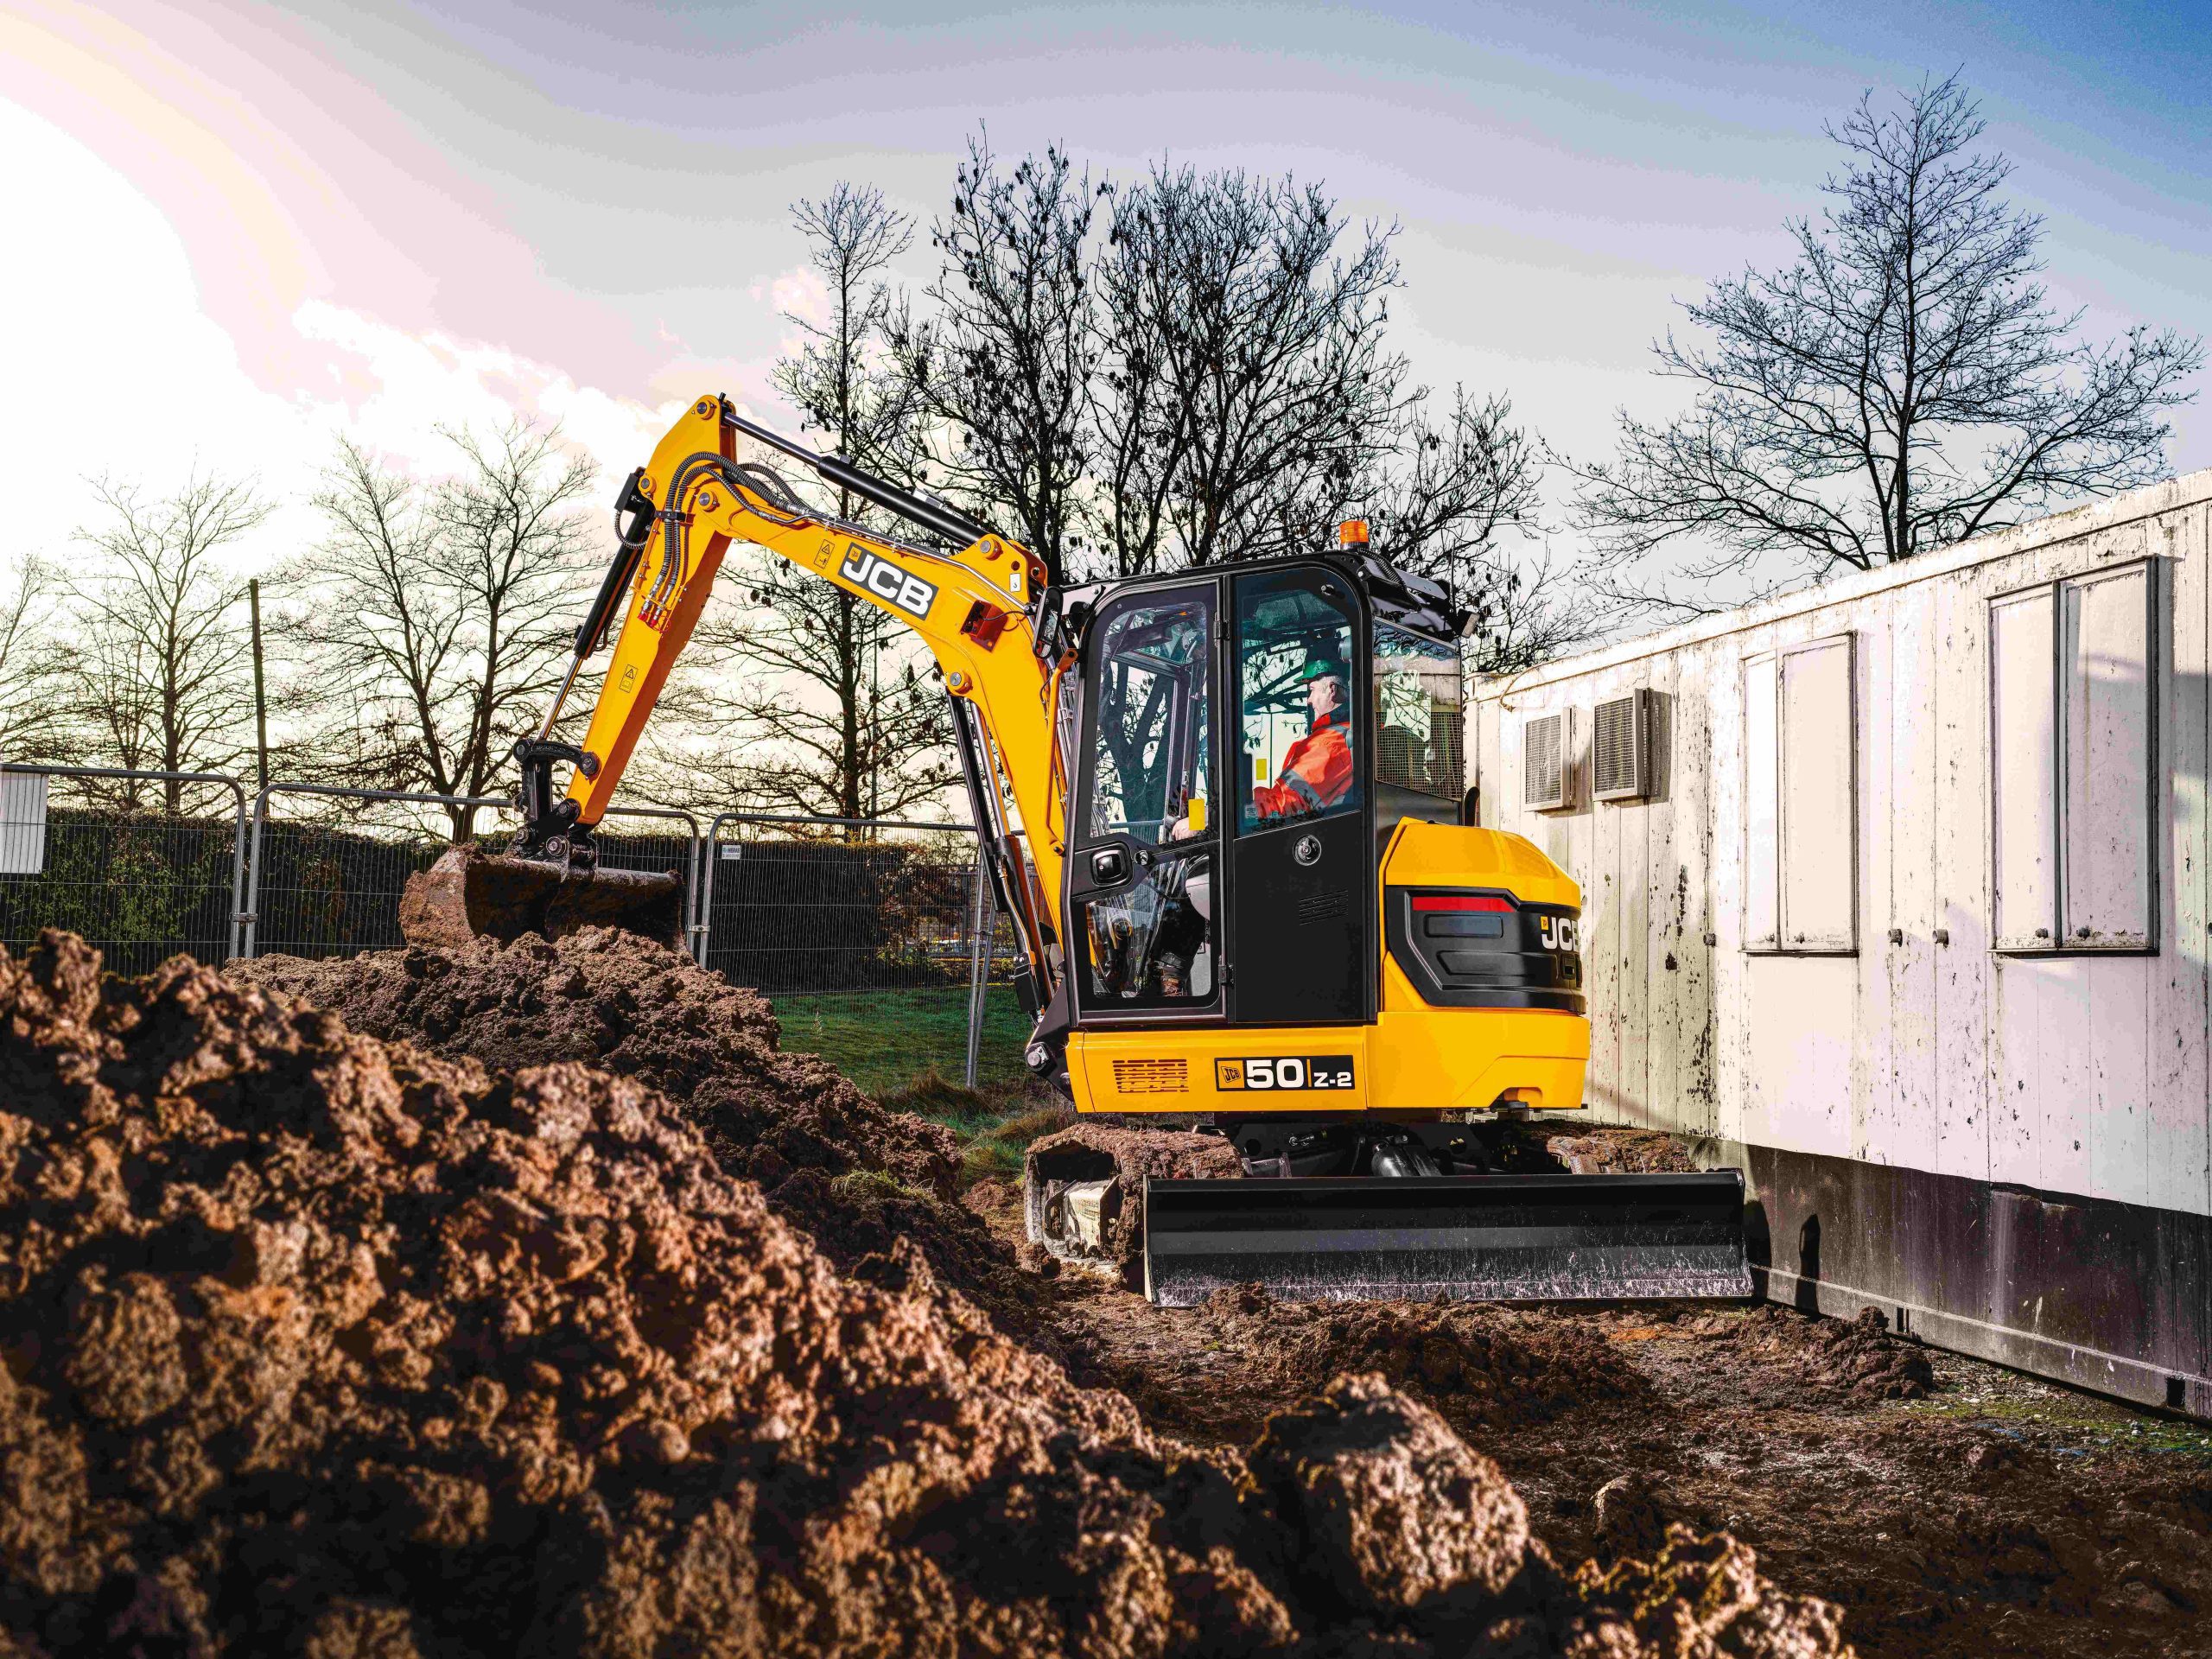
(110, 365)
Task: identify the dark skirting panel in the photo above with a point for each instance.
(2116, 1297)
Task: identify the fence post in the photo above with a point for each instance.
(979, 956)
(710, 854)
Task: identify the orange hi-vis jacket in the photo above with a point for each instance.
(1317, 772)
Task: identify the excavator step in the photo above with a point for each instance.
(1464, 1237)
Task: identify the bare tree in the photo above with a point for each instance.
(1536, 606)
(35, 723)
(1004, 365)
(158, 676)
(1903, 384)
(1247, 373)
(834, 713)
(436, 620)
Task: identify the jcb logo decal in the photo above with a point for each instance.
(1556, 932)
(887, 582)
(1288, 1071)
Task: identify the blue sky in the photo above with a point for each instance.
(379, 216)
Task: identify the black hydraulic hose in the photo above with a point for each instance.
(934, 516)
(629, 545)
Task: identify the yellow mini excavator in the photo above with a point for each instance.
(1224, 810)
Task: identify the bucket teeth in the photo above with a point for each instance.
(1464, 1237)
(471, 894)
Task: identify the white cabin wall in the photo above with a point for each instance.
(2076, 1074)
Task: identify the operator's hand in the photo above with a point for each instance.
(1181, 830)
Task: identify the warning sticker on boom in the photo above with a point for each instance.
(1292, 1071)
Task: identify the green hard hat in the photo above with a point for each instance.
(1320, 668)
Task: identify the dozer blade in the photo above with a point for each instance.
(1466, 1238)
(469, 894)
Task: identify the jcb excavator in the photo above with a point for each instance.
(1236, 866)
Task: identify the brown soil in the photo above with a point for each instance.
(833, 1163)
(1618, 1152)
(1953, 1509)
(317, 1344)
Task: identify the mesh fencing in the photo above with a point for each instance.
(142, 872)
(793, 908)
(146, 866)
(328, 873)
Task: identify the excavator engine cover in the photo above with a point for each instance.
(469, 893)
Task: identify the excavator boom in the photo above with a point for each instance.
(674, 521)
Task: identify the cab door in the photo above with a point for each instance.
(1144, 868)
(1301, 886)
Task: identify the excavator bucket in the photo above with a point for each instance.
(470, 894)
(1464, 1237)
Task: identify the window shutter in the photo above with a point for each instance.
(1762, 806)
(1820, 814)
(2106, 656)
(1620, 747)
(2024, 775)
(1545, 762)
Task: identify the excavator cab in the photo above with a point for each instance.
(1278, 922)
(1226, 798)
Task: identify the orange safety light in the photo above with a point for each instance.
(1352, 533)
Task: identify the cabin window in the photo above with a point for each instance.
(1801, 800)
(2072, 745)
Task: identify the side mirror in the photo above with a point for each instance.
(1051, 628)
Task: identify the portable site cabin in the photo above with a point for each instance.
(1897, 895)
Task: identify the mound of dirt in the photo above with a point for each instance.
(317, 1344)
(1485, 1368)
(639, 1009)
(1857, 1359)
(1620, 1152)
(831, 1160)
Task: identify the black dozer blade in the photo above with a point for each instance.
(1515, 1238)
(472, 894)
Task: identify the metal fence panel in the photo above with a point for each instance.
(329, 885)
(144, 864)
(794, 907)
(99, 852)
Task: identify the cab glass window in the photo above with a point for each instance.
(1296, 673)
(1417, 721)
(1150, 759)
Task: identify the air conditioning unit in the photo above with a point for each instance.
(1620, 748)
(1547, 762)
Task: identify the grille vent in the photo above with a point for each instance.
(1620, 747)
(1152, 1077)
(1544, 762)
(1321, 908)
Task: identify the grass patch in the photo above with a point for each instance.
(2086, 1421)
(996, 1152)
(889, 1041)
(904, 1048)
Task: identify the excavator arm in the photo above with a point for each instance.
(973, 606)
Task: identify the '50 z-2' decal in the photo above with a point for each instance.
(887, 582)
(1290, 1072)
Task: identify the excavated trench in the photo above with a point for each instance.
(531, 1299)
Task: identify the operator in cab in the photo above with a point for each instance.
(1317, 772)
